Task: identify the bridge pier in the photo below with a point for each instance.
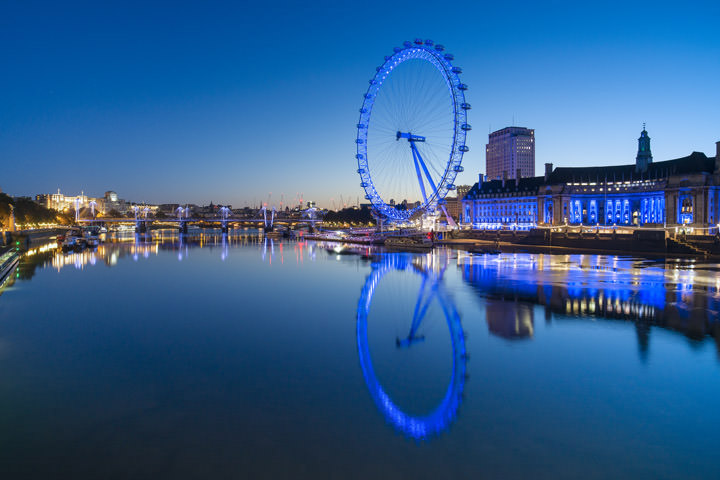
(225, 227)
(141, 226)
(183, 227)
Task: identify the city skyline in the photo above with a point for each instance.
(226, 104)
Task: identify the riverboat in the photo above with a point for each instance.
(484, 250)
(420, 243)
(73, 240)
(8, 261)
(277, 233)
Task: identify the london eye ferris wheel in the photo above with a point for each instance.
(412, 131)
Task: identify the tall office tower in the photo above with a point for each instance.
(509, 151)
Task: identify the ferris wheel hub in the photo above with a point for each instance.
(410, 137)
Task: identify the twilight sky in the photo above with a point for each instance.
(227, 101)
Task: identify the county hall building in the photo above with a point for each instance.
(682, 193)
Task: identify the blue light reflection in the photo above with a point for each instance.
(417, 427)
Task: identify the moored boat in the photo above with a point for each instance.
(421, 243)
(9, 259)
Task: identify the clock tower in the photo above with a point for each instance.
(644, 156)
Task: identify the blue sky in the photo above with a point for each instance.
(227, 102)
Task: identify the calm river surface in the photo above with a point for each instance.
(215, 357)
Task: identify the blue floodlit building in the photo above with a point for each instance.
(684, 192)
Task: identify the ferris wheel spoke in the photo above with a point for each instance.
(425, 169)
(419, 175)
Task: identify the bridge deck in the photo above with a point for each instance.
(197, 220)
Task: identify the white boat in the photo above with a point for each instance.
(122, 228)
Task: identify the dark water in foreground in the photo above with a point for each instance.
(244, 358)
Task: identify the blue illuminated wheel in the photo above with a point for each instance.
(412, 131)
(439, 419)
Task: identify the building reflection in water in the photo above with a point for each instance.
(137, 247)
(679, 296)
(432, 289)
(509, 320)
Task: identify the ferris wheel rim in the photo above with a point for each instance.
(433, 54)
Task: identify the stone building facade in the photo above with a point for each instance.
(683, 193)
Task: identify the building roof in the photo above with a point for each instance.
(527, 184)
(696, 162)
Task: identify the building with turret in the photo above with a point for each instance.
(679, 193)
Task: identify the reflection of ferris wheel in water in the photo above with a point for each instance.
(412, 130)
(415, 426)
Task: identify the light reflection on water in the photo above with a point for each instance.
(283, 349)
(431, 290)
(682, 296)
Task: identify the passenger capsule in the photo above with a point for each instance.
(451, 187)
(363, 184)
(465, 106)
(397, 49)
(372, 82)
(360, 141)
(368, 197)
(367, 95)
(429, 43)
(439, 47)
(449, 57)
(377, 69)
(464, 148)
(457, 70)
(360, 126)
(462, 86)
(418, 41)
(363, 110)
(466, 127)
(407, 44)
(459, 168)
(360, 170)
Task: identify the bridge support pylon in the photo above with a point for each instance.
(183, 227)
(141, 226)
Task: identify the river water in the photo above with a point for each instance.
(243, 357)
